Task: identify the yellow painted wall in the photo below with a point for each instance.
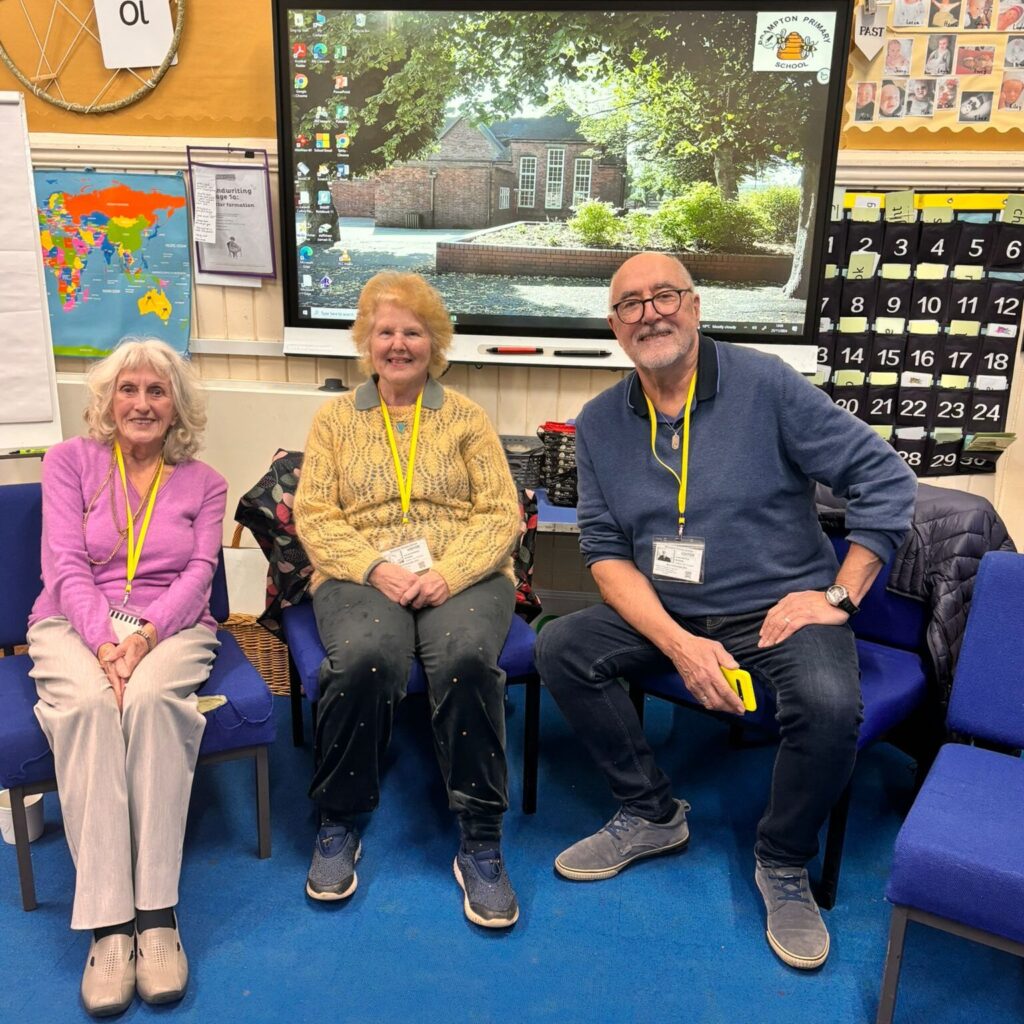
(222, 86)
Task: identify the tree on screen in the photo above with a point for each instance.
(683, 92)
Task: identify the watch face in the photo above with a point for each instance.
(835, 594)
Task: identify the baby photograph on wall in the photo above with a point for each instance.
(898, 53)
(975, 60)
(946, 93)
(976, 107)
(939, 57)
(920, 98)
(891, 98)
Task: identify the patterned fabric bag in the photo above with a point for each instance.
(266, 510)
(527, 602)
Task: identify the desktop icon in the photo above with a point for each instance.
(307, 280)
(305, 254)
(342, 170)
(324, 172)
(299, 51)
(361, 21)
(340, 52)
(323, 140)
(302, 140)
(298, 19)
(319, 51)
(341, 140)
(301, 81)
(340, 82)
(341, 112)
(303, 199)
(323, 197)
(325, 282)
(320, 114)
(303, 168)
(319, 18)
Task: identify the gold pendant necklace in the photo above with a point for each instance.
(122, 532)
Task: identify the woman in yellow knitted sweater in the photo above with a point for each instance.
(407, 510)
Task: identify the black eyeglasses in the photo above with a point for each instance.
(666, 302)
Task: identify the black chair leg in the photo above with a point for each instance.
(21, 844)
(263, 801)
(531, 746)
(295, 695)
(637, 696)
(833, 860)
(893, 963)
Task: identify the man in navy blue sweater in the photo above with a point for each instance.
(697, 519)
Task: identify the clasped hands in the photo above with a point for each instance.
(120, 661)
(407, 588)
(700, 661)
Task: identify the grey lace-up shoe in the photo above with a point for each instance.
(332, 875)
(796, 931)
(488, 899)
(624, 839)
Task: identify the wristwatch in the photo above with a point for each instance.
(839, 597)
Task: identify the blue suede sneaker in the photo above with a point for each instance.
(332, 875)
(488, 899)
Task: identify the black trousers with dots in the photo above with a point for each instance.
(370, 643)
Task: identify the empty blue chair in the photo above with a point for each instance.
(242, 727)
(959, 858)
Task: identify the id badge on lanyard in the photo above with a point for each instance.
(679, 559)
(413, 555)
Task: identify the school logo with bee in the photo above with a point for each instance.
(795, 42)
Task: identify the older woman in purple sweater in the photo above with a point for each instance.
(121, 638)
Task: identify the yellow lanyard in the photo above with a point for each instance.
(404, 481)
(684, 457)
(135, 550)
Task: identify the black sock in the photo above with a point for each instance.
(333, 820)
(146, 919)
(666, 817)
(472, 846)
(128, 928)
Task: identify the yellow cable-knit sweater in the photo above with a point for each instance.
(464, 502)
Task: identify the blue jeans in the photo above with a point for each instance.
(815, 679)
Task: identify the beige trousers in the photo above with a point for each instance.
(124, 778)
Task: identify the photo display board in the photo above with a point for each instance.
(955, 64)
(920, 319)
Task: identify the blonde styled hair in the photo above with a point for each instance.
(413, 293)
(184, 438)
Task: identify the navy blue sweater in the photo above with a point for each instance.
(760, 436)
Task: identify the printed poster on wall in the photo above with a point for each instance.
(116, 258)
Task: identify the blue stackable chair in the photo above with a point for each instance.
(890, 632)
(959, 858)
(240, 728)
(306, 652)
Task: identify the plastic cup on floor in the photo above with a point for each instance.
(33, 812)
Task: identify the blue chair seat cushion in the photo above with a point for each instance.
(246, 718)
(299, 626)
(960, 852)
(892, 683)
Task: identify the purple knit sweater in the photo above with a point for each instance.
(171, 588)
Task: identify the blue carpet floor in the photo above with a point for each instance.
(679, 939)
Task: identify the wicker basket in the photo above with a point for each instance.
(269, 656)
(525, 456)
(559, 441)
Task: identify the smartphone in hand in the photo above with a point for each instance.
(740, 681)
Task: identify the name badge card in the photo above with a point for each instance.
(414, 556)
(679, 558)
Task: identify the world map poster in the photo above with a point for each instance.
(116, 257)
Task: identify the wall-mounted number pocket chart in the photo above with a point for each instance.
(921, 343)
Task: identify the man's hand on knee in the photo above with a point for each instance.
(796, 610)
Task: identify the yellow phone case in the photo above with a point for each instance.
(742, 686)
